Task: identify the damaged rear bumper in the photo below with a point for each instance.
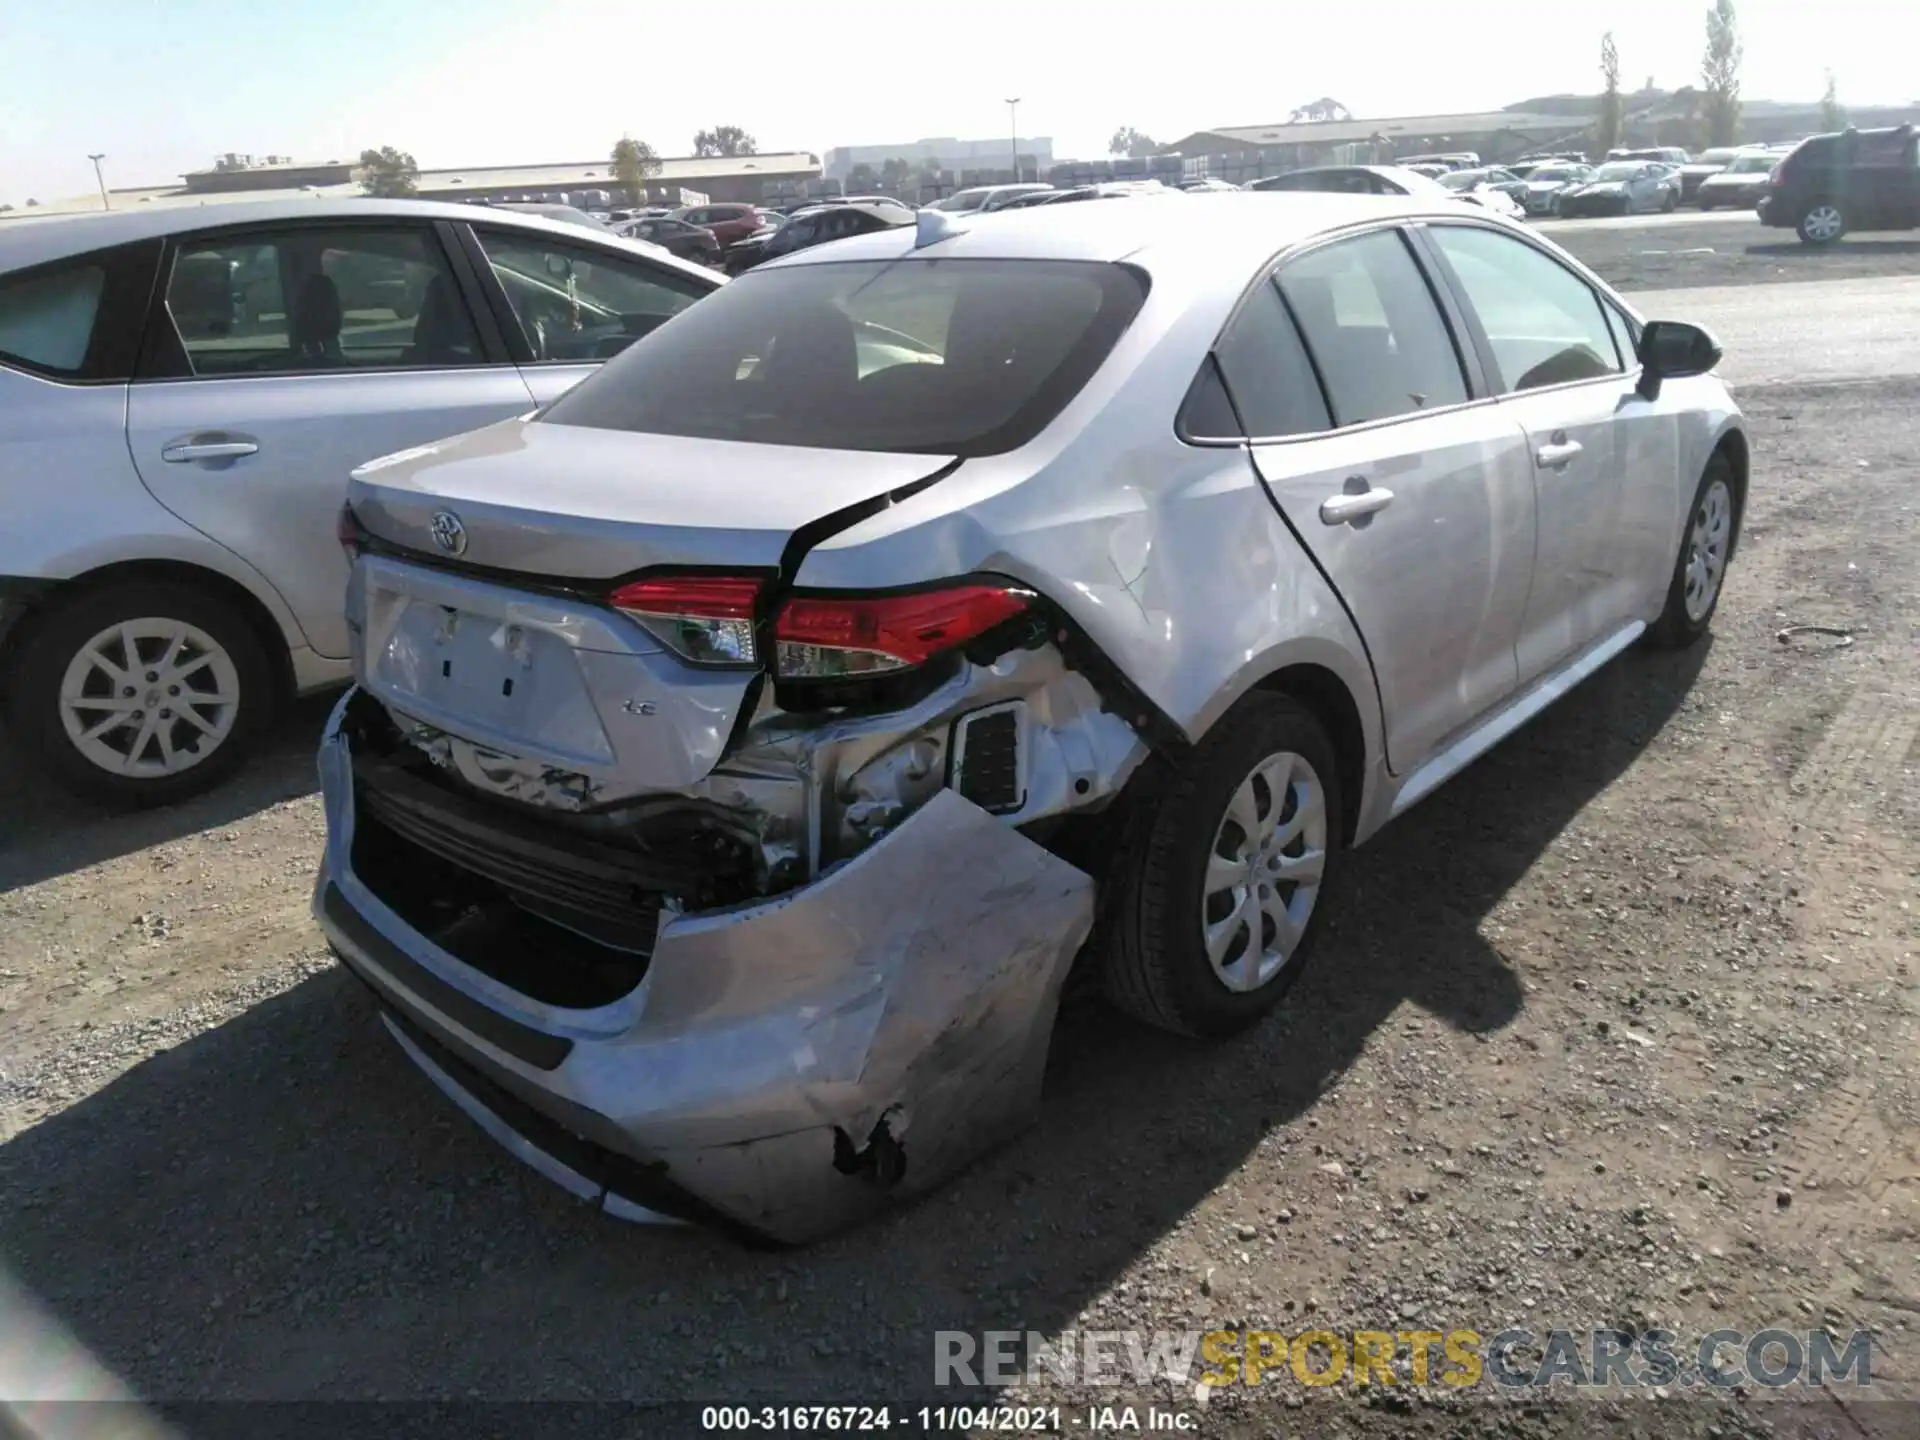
(782, 1067)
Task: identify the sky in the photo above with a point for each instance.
(162, 86)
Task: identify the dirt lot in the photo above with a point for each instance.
(1619, 1029)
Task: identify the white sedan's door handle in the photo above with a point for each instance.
(1557, 455)
(208, 450)
(1354, 507)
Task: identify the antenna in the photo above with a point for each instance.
(931, 226)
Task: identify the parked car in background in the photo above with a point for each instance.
(984, 197)
(723, 869)
(1425, 169)
(813, 227)
(728, 223)
(1740, 184)
(171, 467)
(1707, 162)
(1105, 190)
(1829, 185)
(1674, 155)
(743, 255)
(676, 237)
(1206, 184)
(1491, 177)
(1547, 180)
(1453, 160)
(1623, 187)
(1384, 180)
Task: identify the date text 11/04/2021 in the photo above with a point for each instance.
(958, 1419)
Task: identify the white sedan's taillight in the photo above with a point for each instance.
(704, 619)
(823, 637)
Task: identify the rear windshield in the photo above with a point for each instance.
(939, 357)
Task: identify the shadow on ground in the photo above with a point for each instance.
(282, 1206)
(46, 832)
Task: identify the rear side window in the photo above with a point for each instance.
(581, 303)
(47, 317)
(942, 357)
(1267, 371)
(1373, 329)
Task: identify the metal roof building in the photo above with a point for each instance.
(1269, 149)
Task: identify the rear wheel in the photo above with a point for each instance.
(141, 693)
(1822, 224)
(1214, 898)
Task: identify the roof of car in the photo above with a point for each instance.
(32, 242)
(1238, 226)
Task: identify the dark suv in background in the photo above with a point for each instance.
(1855, 180)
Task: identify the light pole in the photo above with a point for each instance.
(1013, 134)
(105, 204)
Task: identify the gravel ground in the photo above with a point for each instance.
(1619, 1029)
(1685, 250)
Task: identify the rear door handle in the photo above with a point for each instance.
(1557, 455)
(184, 451)
(1355, 506)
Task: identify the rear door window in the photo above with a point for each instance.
(1373, 329)
(47, 317)
(950, 357)
(353, 297)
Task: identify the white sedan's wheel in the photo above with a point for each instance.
(150, 698)
(1707, 539)
(1263, 874)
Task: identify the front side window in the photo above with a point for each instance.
(1374, 331)
(47, 317)
(1544, 323)
(578, 303)
(925, 356)
(319, 298)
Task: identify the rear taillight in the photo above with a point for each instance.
(705, 619)
(1776, 177)
(346, 529)
(822, 637)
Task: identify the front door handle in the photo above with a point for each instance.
(1356, 506)
(185, 451)
(1556, 454)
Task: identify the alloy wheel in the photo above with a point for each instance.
(1707, 548)
(1263, 872)
(149, 697)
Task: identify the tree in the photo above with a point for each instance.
(725, 140)
(1833, 115)
(633, 162)
(388, 173)
(896, 174)
(1720, 74)
(1325, 108)
(1607, 131)
(1132, 143)
(863, 178)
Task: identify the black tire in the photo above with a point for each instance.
(1812, 231)
(1153, 964)
(1670, 204)
(59, 634)
(1676, 629)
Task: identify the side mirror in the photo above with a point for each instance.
(1673, 350)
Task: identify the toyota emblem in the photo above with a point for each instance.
(448, 533)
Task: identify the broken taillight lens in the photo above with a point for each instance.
(704, 619)
(821, 637)
(346, 529)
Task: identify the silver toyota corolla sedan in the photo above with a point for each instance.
(744, 746)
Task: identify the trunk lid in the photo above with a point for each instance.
(567, 502)
(512, 649)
